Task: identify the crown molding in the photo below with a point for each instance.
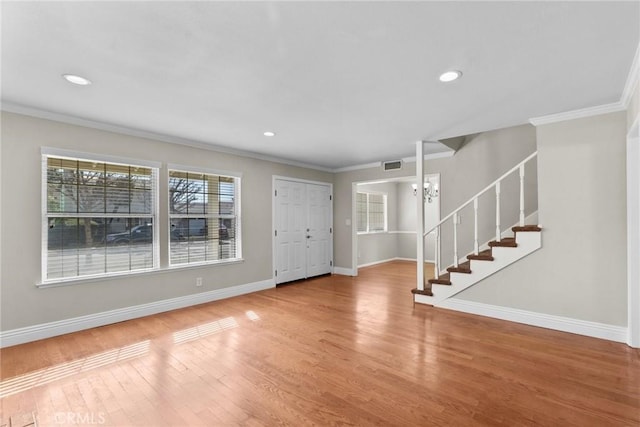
(77, 121)
(578, 114)
(404, 160)
(358, 167)
(631, 86)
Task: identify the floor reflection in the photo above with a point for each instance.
(204, 330)
(53, 373)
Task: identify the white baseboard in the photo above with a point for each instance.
(413, 259)
(60, 327)
(343, 271)
(392, 259)
(558, 323)
(382, 261)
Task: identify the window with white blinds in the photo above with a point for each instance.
(204, 217)
(371, 212)
(98, 217)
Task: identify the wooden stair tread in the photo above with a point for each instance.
(525, 228)
(442, 280)
(507, 242)
(485, 255)
(464, 268)
(426, 292)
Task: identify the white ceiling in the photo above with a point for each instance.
(341, 83)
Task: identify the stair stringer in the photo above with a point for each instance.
(528, 242)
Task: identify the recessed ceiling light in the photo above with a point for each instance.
(269, 133)
(76, 80)
(450, 76)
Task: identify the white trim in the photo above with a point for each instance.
(60, 327)
(366, 233)
(578, 114)
(420, 217)
(432, 156)
(55, 283)
(426, 261)
(45, 154)
(95, 157)
(631, 85)
(344, 271)
(412, 159)
(358, 167)
(124, 130)
(558, 323)
(304, 181)
(197, 169)
(354, 230)
(237, 204)
(527, 243)
(369, 264)
(633, 233)
(274, 252)
(632, 80)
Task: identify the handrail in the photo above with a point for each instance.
(488, 187)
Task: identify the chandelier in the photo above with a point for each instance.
(430, 190)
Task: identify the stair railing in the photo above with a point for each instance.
(455, 215)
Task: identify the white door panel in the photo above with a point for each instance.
(319, 204)
(291, 234)
(303, 230)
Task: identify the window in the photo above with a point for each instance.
(98, 217)
(204, 217)
(371, 212)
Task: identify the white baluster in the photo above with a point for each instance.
(522, 195)
(498, 211)
(475, 226)
(455, 239)
(436, 254)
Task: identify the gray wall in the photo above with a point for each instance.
(580, 272)
(478, 163)
(400, 240)
(407, 222)
(23, 304)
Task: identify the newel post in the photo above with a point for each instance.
(420, 215)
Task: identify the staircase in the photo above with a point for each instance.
(485, 259)
(526, 240)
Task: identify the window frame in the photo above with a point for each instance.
(237, 180)
(386, 211)
(45, 154)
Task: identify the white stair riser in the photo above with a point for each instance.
(528, 242)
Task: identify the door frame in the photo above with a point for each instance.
(274, 253)
(354, 228)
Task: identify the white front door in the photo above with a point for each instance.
(318, 230)
(302, 230)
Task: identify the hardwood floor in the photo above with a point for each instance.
(327, 351)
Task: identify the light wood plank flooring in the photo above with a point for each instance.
(327, 351)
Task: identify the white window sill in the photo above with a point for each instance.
(54, 283)
(204, 264)
(372, 232)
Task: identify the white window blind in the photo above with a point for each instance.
(204, 214)
(98, 217)
(371, 212)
